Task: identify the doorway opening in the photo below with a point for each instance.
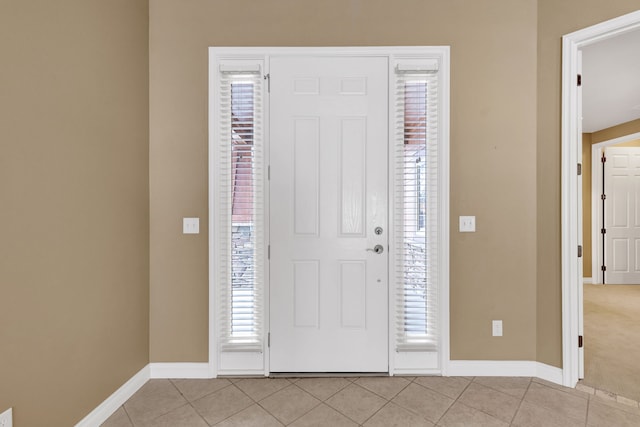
(572, 215)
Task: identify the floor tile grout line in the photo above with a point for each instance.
(384, 397)
(127, 414)
(503, 392)
(320, 402)
(375, 412)
(332, 394)
(515, 414)
(341, 413)
(204, 395)
(264, 397)
(454, 402)
(199, 414)
(586, 421)
(550, 409)
(173, 409)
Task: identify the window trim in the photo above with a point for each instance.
(439, 55)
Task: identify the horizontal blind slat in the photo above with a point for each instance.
(415, 213)
(240, 172)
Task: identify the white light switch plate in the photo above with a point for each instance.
(467, 224)
(190, 225)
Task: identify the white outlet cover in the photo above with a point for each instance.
(496, 328)
(467, 224)
(190, 225)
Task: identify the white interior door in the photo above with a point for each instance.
(328, 186)
(622, 215)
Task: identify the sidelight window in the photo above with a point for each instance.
(416, 216)
(241, 208)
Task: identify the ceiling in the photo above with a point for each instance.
(611, 82)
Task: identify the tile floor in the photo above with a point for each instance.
(370, 401)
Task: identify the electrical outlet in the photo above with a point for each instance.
(6, 418)
(497, 328)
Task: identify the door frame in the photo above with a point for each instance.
(596, 204)
(439, 53)
(571, 153)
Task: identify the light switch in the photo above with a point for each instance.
(467, 224)
(190, 225)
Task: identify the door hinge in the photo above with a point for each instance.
(269, 173)
(579, 79)
(579, 168)
(579, 251)
(603, 159)
(268, 339)
(603, 268)
(603, 197)
(269, 252)
(267, 77)
(579, 341)
(603, 231)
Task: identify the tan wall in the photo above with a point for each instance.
(618, 131)
(493, 147)
(555, 19)
(588, 139)
(73, 204)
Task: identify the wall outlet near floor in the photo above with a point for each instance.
(6, 418)
(496, 328)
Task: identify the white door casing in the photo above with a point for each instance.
(329, 143)
(245, 361)
(579, 226)
(571, 149)
(622, 215)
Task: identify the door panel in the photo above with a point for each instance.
(328, 155)
(622, 216)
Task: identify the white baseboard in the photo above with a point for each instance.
(504, 368)
(180, 370)
(117, 399)
(587, 280)
(549, 373)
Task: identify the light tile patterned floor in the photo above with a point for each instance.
(369, 402)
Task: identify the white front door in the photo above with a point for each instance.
(328, 186)
(622, 215)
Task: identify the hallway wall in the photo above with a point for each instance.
(74, 211)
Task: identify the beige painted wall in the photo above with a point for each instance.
(74, 214)
(587, 140)
(555, 19)
(493, 147)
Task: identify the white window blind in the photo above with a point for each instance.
(241, 208)
(416, 208)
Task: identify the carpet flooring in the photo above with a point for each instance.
(612, 338)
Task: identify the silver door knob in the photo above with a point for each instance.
(377, 249)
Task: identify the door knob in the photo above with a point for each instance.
(377, 249)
